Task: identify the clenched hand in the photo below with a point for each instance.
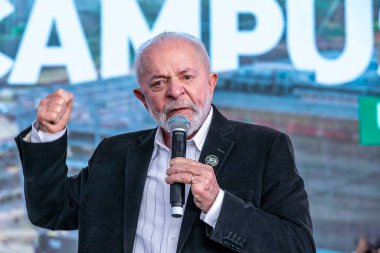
(54, 111)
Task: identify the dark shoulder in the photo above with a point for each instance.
(133, 135)
(129, 139)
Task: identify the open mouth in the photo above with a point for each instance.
(177, 111)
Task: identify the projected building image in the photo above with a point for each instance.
(328, 106)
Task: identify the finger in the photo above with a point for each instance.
(52, 113)
(67, 96)
(61, 97)
(49, 127)
(171, 179)
(196, 179)
(48, 117)
(195, 169)
(183, 160)
(174, 170)
(204, 199)
(184, 178)
(57, 108)
(178, 160)
(52, 110)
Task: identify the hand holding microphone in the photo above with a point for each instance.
(204, 185)
(178, 125)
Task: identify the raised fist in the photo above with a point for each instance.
(54, 111)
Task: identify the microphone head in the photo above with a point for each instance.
(179, 122)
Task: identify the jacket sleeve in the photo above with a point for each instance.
(282, 222)
(51, 197)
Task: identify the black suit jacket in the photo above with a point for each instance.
(265, 207)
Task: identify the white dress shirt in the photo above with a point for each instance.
(157, 230)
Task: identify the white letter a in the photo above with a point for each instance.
(34, 53)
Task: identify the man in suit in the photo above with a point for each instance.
(244, 193)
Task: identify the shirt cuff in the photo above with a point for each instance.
(37, 136)
(211, 217)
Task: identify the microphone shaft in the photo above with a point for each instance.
(177, 190)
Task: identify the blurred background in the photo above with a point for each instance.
(307, 68)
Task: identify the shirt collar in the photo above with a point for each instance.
(198, 139)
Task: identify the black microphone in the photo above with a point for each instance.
(178, 125)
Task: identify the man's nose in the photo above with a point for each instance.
(175, 89)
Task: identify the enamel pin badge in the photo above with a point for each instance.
(211, 160)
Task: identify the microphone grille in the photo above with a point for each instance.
(179, 121)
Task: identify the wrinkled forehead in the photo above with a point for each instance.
(179, 45)
(177, 54)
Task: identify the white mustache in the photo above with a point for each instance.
(177, 104)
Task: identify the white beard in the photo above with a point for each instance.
(199, 114)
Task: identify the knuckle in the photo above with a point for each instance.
(51, 116)
(60, 100)
(40, 110)
(42, 106)
(210, 174)
(62, 109)
(60, 91)
(42, 116)
(54, 109)
(43, 101)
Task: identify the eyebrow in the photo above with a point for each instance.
(188, 70)
(157, 76)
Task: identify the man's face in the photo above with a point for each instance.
(176, 81)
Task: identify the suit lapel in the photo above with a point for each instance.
(138, 160)
(216, 145)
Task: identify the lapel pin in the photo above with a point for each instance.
(211, 160)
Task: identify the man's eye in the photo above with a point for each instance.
(187, 77)
(157, 83)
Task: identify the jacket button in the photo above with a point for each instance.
(226, 242)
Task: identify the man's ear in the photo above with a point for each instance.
(140, 96)
(212, 80)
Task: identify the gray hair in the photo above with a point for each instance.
(161, 39)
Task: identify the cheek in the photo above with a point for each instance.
(201, 97)
(155, 104)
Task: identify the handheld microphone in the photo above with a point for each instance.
(178, 125)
